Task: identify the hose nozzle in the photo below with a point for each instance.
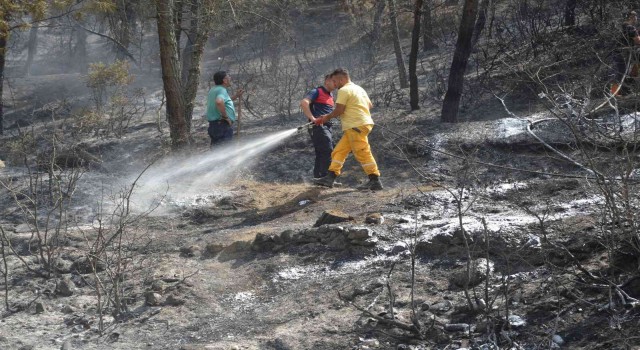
(307, 125)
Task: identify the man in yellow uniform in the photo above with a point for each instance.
(352, 106)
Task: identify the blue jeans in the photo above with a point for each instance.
(323, 145)
(220, 131)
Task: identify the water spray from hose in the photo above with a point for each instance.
(179, 179)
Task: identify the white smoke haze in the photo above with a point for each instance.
(199, 178)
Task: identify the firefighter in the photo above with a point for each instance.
(625, 55)
(353, 107)
(316, 103)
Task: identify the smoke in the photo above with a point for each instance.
(182, 181)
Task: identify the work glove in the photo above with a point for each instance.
(319, 121)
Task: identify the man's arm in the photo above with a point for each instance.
(335, 113)
(306, 109)
(222, 109)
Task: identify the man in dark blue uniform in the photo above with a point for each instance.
(315, 103)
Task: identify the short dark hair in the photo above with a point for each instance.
(340, 71)
(328, 76)
(219, 76)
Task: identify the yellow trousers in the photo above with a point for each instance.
(354, 140)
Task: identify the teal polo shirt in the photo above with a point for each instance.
(213, 114)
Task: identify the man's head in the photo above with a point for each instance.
(340, 77)
(632, 17)
(328, 83)
(222, 78)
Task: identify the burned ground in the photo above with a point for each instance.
(241, 267)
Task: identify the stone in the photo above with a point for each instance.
(533, 242)
(360, 250)
(306, 236)
(278, 344)
(360, 234)
(235, 250)
(334, 230)
(444, 243)
(265, 242)
(190, 251)
(371, 343)
(332, 217)
(25, 243)
(40, 308)
(516, 321)
(476, 275)
(441, 307)
(338, 243)
(158, 286)
(68, 309)
(66, 345)
(425, 307)
(367, 288)
(1, 164)
(174, 301)
(152, 299)
(83, 281)
(63, 265)
(311, 248)
(22, 228)
(83, 265)
(65, 287)
(557, 339)
(374, 219)
(456, 327)
(399, 248)
(212, 249)
(286, 235)
(480, 304)
(80, 322)
(369, 242)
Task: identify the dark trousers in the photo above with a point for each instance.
(323, 145)
(220, 131)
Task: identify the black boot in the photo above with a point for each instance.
(327, 181)
(374, 184)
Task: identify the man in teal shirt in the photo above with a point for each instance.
(221, 112)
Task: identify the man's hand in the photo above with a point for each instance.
(319, 121)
